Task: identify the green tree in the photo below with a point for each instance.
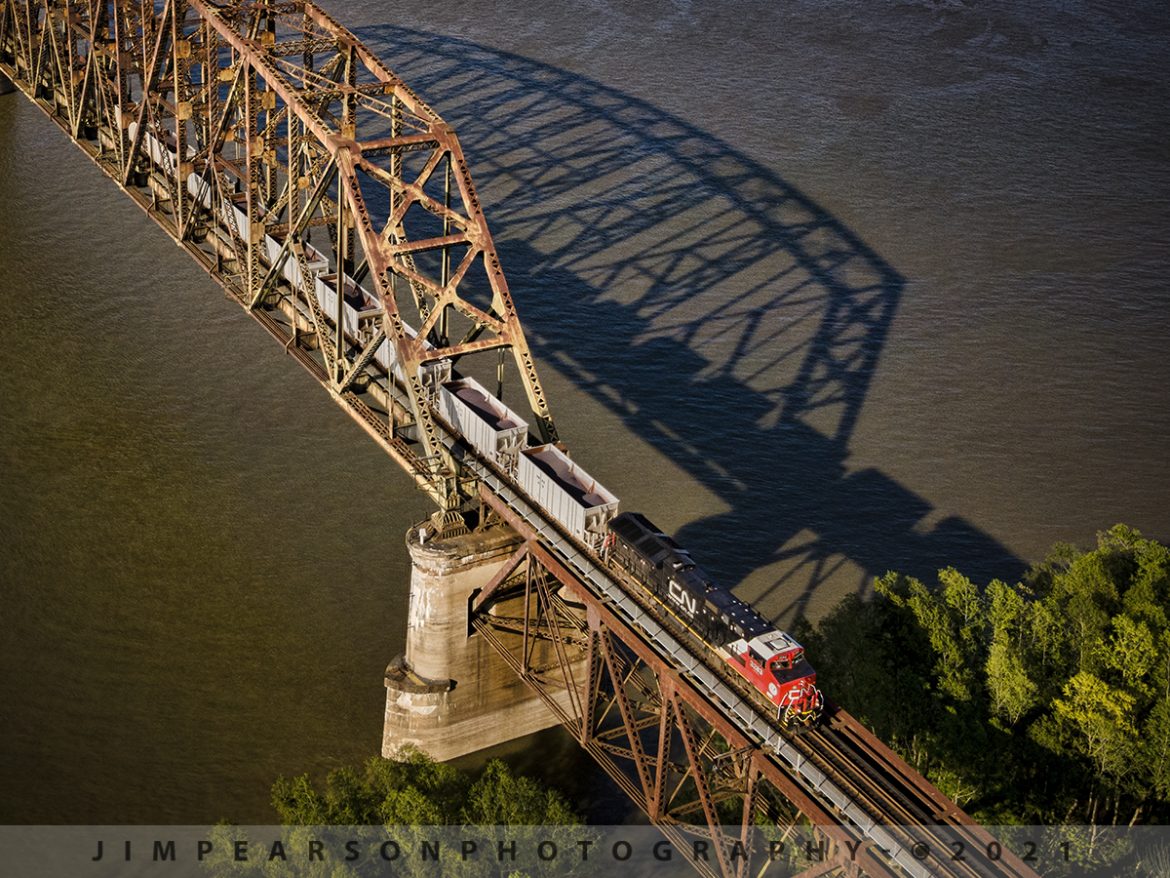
(416, 790)
(1129, 653)
(1155, 749)
(411, 796)
(1023, 699)
(500, 797)
(1012, 692)
(954, 619)
(1099, 719)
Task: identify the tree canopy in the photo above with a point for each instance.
(417, 791)
(1046, 700)
(406, 804)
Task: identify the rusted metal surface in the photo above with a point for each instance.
(302, 144)
(284, 113)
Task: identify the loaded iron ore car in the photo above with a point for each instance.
(770, 659)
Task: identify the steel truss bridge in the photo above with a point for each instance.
(305, 147)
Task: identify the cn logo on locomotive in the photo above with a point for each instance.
(680, 597)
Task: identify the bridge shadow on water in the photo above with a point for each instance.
(721, 314)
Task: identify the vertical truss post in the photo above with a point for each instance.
(339, 343)
(627, 713)
(593, 663)
(255, 99)
(702, 784)
(657, 804)
(445, 264)
(558, 626)
(746, 816)
(151, 71)
(525, 646)
(180, 66)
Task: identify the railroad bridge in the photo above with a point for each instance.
(337, 208)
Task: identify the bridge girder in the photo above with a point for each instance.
(277, 109)
(678, 758)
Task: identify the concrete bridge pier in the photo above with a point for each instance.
(451, 694)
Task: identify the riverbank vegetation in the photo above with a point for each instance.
(417, 791)
(1044, 701)
(389, 817)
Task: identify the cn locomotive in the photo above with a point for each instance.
(770, 659)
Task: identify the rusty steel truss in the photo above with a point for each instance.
(281, 112)
(262, 135)
(683, 759)
(685, 765)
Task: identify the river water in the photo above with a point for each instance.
(828, 288)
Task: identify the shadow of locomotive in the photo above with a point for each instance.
(725, 317)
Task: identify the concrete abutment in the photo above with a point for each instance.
(451, 694)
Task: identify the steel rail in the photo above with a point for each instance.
(708, 675)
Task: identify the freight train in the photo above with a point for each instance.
(769, 659)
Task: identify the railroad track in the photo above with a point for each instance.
(925, 833)
(902, 806)
(926, 823)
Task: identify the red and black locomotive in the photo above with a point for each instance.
(771, 660)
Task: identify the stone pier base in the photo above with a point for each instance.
(451, 694)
